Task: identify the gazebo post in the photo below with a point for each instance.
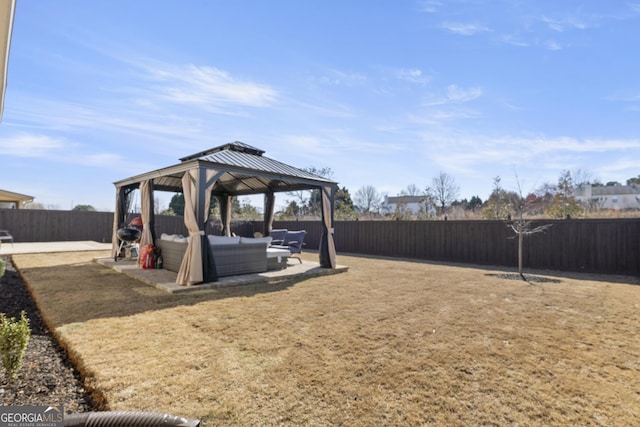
(327, 250)
(269, 207)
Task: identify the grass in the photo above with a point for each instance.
(390, 342)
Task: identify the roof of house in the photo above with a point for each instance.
(405, 199)
(17, 198)
(245, 171)
(613, 190)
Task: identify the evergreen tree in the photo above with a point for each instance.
(344, 208)
(86, 208)
(499, 205)
(176, 205)
(474, 203)
(565, 204)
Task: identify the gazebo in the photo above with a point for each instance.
(234, 169)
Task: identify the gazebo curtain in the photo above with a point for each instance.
(327, 245)
(147, 214)
(225, 214)
(119, 216)
(196, 186)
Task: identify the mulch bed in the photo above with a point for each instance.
(527, 278)
(47, 377)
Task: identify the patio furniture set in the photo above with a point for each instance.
(233, 256)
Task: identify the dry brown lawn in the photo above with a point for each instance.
(388, 343)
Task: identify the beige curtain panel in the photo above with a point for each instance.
(146, 198)
(191, 269)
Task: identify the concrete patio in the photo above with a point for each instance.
(166, 280)
(45, 247)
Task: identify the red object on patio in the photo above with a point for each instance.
(136, 223)
(147, 257)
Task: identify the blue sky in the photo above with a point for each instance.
(385, 93)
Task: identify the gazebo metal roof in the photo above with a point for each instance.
(246, 171)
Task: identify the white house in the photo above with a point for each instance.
(610, 197)
(406, 204)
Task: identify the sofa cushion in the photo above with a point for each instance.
(223, 240)
(173, 237)
(254, 240)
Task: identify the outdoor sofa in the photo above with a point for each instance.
(232, 256)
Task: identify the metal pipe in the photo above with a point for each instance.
(127, 419)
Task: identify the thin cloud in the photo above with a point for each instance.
(553, 45)
(628, 97)
(561, 25)
(338, 142)
(412, 76)
(576, 145)
(455, 94)
(342, 78)
(439, 117)
(626, 164)
(466, 152)
(459, 95)
(464, 29)
(132, 119)
(208, 86)
(30, 145)
(514, 41)
(429, 6)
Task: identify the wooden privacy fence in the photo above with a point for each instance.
(589, 245)
(609, 246)
(26, 225)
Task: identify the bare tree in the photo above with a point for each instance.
(411, 190)
(581, 178)
(367, 199)
(443, 191)
(522, 228)
(308, 201)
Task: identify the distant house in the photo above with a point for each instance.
(610, 197)
(407, 204)
(11, 200)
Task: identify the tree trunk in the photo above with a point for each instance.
(520, 242)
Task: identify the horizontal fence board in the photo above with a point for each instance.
(609, 246)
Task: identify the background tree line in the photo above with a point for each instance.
(438, 200)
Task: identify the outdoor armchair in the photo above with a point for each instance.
(4, 235)
(294, 240)
(278, 236)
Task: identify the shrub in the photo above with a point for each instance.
(14, 337)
